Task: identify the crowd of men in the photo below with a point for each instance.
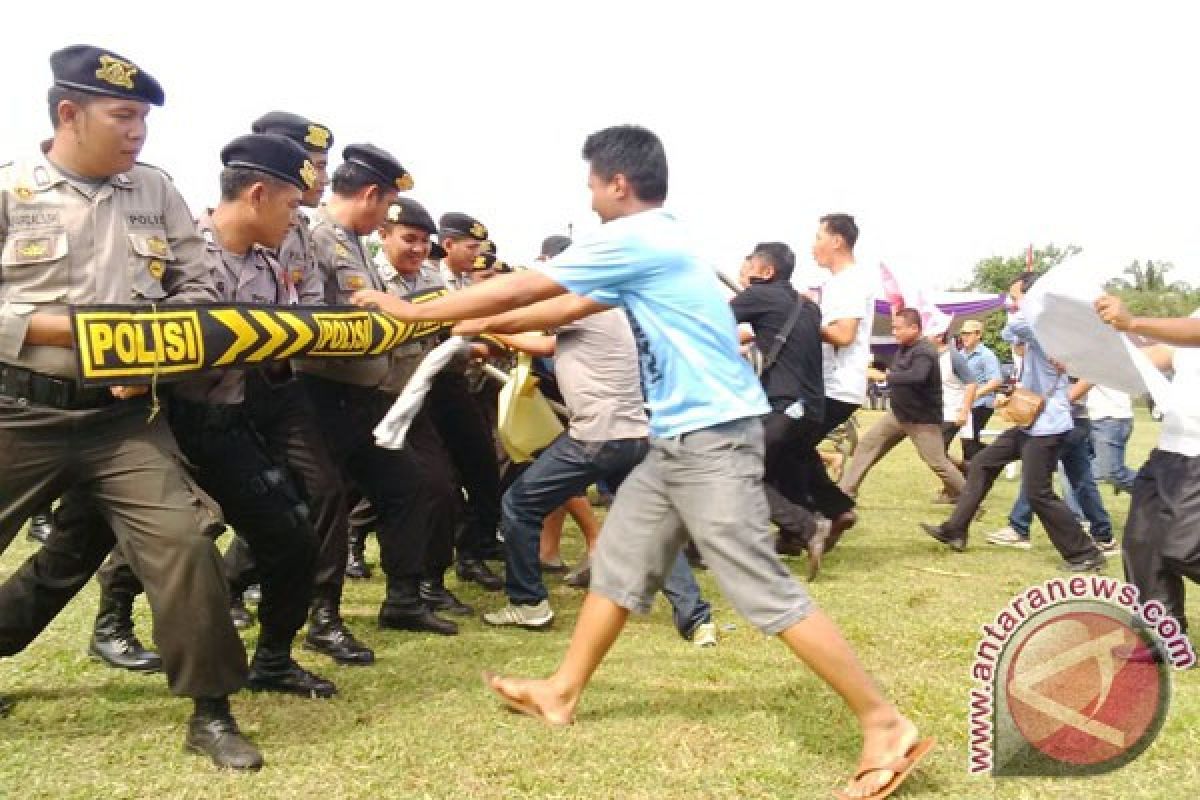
(704, 452)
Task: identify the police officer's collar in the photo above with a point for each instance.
(43, 174)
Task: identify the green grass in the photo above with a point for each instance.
(661, 720)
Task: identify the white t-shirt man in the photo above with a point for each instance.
(1181, 423)
(1105, 403)
(849, 294)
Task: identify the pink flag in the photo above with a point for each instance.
(891, 288)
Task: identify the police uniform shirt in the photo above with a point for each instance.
(454, 282)
(298, 257)
(403, 360)
(344, 269)
(253, 277)
(127, 239)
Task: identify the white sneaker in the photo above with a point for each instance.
(1008, 537)
(705, 635)
(535, 616)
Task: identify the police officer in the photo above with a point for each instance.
(82, 222)
(284, 416)
(463, 427)
(346, 392)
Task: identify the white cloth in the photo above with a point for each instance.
(850, 294)
(1060, 309)
(1106, 403)
(393, 428)
(1181, 416)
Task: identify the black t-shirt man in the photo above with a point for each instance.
(915, 380)
(796, 373)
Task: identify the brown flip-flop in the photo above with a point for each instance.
(516, 705)
(900, 769)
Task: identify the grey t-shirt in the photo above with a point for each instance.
(596, 364)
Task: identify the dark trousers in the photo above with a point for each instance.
(824, 495)
(1162, 534)
(469, 441)
(407, 503)
(1039, 459)
(791, 456)
(284, 417)
(979, 420)
(121, 479)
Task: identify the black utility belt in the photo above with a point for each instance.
(33, 388)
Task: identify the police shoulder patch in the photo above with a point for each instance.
(157, 169)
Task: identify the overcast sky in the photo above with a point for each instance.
(952, 131)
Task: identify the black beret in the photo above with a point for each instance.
(310, 135)
(458, 224)
(381, 163)
(486, 261)
(406, 211)
(96, 71)
(553, 245)
(273, 154)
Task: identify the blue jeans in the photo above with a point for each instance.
(564, 470)
(1109, 438)
(1076, 461)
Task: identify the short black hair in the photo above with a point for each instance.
(553, 245)
(779, 256)
(634, 152)
(350, 178)
(842, 225)
(57, 94)
(235, 180)
(911, 316)
(1026, 279)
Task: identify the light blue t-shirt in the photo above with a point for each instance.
(692, 373)
(1038, 374)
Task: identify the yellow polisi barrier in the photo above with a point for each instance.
(132, 345)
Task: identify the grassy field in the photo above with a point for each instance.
(662, 719)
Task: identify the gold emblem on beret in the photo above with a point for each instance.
(23, 192)
(308, 174)
(34, 248)
(395, 212)
(157, 245)
(480, 263)
(405, 182)
(156, 268)
(478, 231)
(297, 276)
(356, 282)
(318, 137)
(117, 72)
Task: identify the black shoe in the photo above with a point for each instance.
(288, 678)
(253, 594)
(40, 528)
(470, 569)
(439, 598)
(788, 544)
(327, 634)
(213, 732)
(242, 617)
(1094, 563)
(418, 618)
(113, 640)
(955, 543)
(356, 556)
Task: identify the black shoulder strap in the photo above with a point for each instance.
(782, 337)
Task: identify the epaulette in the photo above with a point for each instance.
(166, 174)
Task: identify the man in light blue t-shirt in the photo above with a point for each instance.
(703, 475)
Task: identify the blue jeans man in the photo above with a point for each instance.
(564, 470)
(1076, 461)
(1110, 436)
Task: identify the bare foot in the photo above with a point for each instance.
(889, 746)
(538, 699)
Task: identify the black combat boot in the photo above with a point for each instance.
(473, 569)
(403, 610)
(329, 635)
(273, 670)
(113, 639)
(356, 556)
(437, 597)
(212, 731)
